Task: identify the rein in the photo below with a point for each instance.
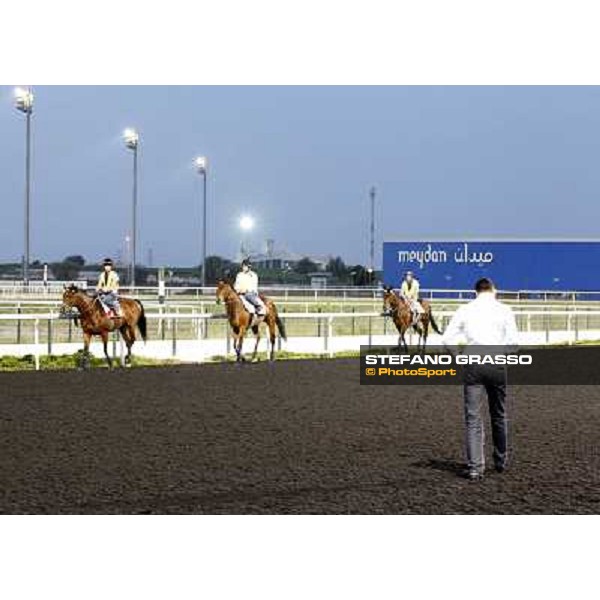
(86, 308)
(234, 304)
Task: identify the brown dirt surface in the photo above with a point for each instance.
(289, 437)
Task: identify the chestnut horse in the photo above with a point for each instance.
(399, 309)
(94, 320)
(241, 320)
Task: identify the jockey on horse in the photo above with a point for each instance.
(409, 290)
(246, 285)
(108, 288)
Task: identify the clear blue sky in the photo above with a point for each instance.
(446, 161)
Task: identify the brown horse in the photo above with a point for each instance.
(399, 309)
(241, 320)
(94, 320)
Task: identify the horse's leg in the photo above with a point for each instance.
(272, 332)
(85, 359)
(105, 345)
(400, 336)
(125, 335)
(419, 333)
(403, 337)
(240, 344)
(425, 333)
(130, 341)
(256, 332)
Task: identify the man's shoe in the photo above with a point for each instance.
(474, 475)
(500, 468)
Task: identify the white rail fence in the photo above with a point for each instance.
(16, 289)
(535, 326)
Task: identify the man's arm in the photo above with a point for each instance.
(454, 332)
(511, 333)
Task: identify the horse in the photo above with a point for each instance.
(95, 321)
(399, 309)
(241, 320)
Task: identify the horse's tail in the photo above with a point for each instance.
(434, 324)
(280, 326)
(142, 323)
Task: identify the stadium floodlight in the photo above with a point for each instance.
(131, 138)
(24, 104)
(246, 223)
(201, 164)
(24, 100)
(132, 141)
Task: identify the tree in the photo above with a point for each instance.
(337, 267)
(68, 269)
(217, 267)
(305, 266)
(359, 275)
(76, 259)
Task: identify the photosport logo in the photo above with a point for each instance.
(538, 365)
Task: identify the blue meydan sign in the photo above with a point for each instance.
(513, 265)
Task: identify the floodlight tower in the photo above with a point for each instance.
(201, 164)
(24, 104)
(132, 142)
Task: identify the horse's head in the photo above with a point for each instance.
(223, 290)
(70, 294)
(390, 300)
(70, 299)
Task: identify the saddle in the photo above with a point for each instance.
(108, 311)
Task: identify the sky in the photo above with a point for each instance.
(447, 163)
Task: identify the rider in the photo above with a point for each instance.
(409, 290)
(108, 287)
(246, 285)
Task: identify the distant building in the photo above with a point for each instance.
(319, 280)
(273, 259)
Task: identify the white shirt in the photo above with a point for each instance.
(482, 322)
(246, 282)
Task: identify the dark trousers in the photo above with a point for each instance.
(492, 380)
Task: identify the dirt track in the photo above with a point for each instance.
(293, 437)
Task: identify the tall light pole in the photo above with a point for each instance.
(132, 140)
(246, 224)
(24, 104)
(372, 243)
(201, 164)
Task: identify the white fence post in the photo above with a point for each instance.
(36, 341)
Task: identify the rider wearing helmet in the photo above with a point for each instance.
(246, 285)
(409, 290)
(108, 287)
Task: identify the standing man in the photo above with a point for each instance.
(246, 285)
(108, 287)
(409, 290)
(486, 326)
